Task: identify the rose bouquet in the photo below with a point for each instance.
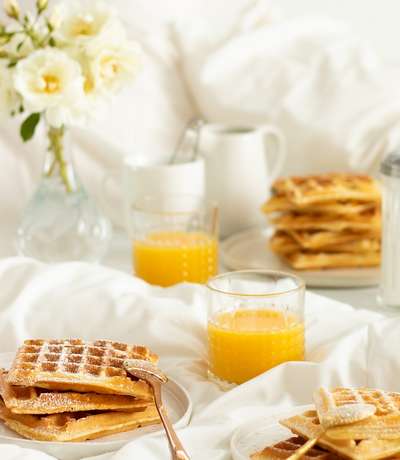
(61, 66)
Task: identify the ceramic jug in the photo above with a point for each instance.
(241, 162)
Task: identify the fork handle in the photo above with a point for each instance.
(177, 450)
(303, 449)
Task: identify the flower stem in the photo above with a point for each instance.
(56, 138)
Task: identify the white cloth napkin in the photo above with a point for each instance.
(344, 346)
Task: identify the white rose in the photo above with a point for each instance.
(49, 80)
(86, 25)
(8, 97)
(111, 67)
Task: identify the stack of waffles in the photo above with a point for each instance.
(374, 437)
(72, 390)
(326, 221)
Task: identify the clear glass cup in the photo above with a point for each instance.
(175, 239)
(255, 322)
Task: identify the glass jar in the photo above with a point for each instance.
(61, 221)
(389, 291)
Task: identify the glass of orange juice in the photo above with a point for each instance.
(256, 321)
(175, 239)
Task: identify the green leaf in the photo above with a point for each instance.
(49, 25)
(29, 125)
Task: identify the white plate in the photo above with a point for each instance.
(176, 400)
(249, 249)
(265, 431)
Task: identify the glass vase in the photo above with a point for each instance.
(61, 222)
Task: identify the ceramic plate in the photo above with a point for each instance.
(257, 434)
(176, 400)
(249, 249)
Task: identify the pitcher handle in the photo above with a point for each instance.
(280, 150)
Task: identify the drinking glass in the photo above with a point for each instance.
(175, 239)
(255, 322)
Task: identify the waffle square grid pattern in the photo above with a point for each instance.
(45, 363)
(74, 390)
(375, 436)
(284, 449)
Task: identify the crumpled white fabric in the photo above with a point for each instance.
(337, 104)
(344, 346)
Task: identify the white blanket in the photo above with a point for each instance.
(344, 346)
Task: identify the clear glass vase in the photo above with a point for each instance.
(61, 222)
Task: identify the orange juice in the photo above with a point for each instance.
(246, 343)
(167, 258)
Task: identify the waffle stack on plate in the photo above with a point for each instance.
(375, 437)
(326, 221)
(72, 390)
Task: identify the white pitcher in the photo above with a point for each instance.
(241, 164)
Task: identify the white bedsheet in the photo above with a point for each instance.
(78, 300)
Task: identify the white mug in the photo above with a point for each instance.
(240, 165)
(135, 181)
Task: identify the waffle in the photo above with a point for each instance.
(326, 221)
(317, 239)
(302, 260)
(334, 208)
(76, 365)
(284, 243)
(367, 221)
(76, 426)
(308, 190)
(307, 426)
(384, 424)
(31, 400)
(285, 449)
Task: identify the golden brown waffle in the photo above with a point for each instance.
(384, 424)
(31, 400)
(285, 449)
(317, 239)
(368, 221)
(76, 365)
(334, 208)
(307, 190)
(302, 260)
(284, 243)
(326, 221)
(307, 426)
(76, 426)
